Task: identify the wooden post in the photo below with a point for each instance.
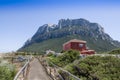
(50, 71)
(23, 73)
(26, 70)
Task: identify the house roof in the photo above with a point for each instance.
(75, 40)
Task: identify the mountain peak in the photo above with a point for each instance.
(49, 25)
(80, 28)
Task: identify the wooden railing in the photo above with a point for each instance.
(53, 71)
(67, 76)
(21, 75)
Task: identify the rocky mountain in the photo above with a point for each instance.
(52, 36)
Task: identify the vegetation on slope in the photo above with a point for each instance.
(115, 51)
(96, 68)
(65, 58)
(56, 44)
(89, 68)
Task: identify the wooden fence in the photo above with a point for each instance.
(21, 75)
(53, 71)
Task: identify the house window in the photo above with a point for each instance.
(80, 45)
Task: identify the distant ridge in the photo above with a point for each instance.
(52, 36)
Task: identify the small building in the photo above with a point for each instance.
(79, 45)
(50, 51)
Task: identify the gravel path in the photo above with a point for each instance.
(37, 72)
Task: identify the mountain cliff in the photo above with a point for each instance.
(52, 36)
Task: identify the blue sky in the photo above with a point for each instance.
(20, 19)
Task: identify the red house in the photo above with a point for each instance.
(79, 45)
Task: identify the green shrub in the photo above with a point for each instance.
(65, 58)
(96, 68)
(115, 51)
(6, 73)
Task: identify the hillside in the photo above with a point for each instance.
(53, 36)
(114, 51)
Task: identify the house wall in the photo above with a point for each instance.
(67, 46)
(76, 46)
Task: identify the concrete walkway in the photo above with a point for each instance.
(37, 71)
